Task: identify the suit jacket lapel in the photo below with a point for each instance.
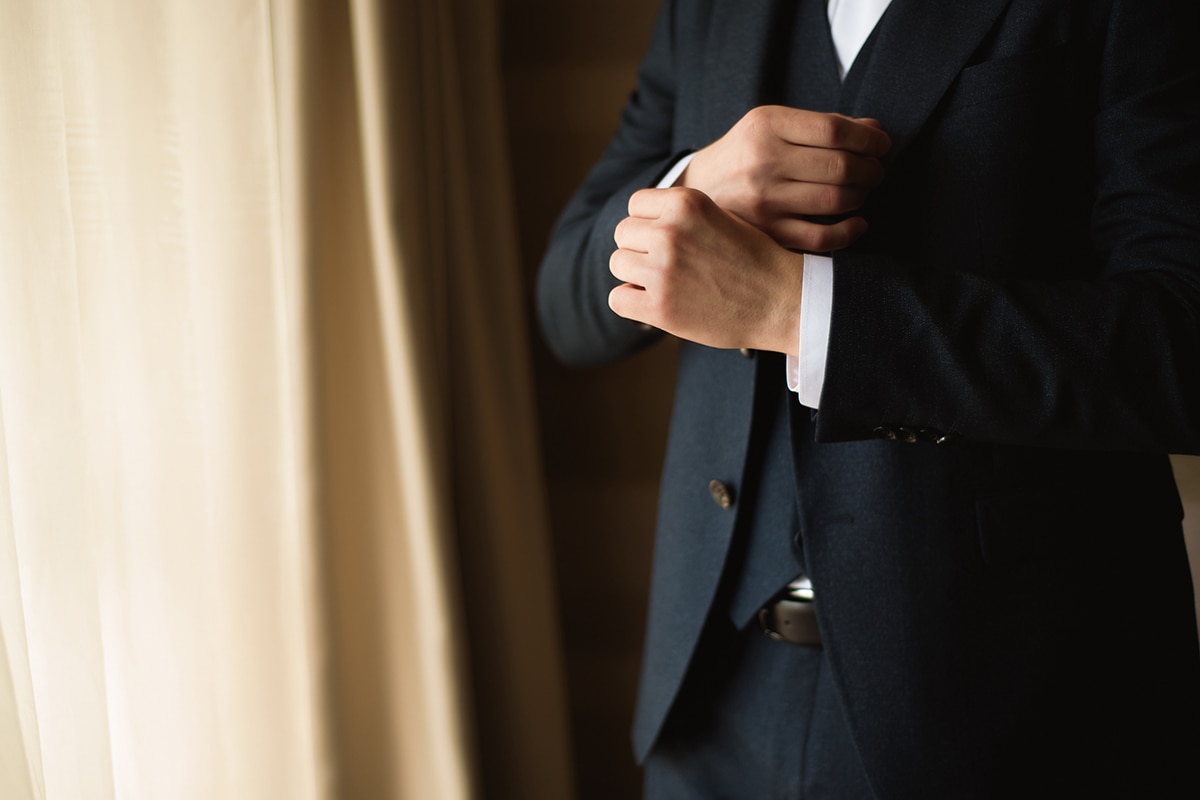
(916, 52)
(745, 54)
(919, 48)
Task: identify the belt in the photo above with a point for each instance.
(790, 617)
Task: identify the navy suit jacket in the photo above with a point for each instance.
(1016, 597)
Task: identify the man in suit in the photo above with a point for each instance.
(937, 286)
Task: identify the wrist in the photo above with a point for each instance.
(692, 176)
(783, 332)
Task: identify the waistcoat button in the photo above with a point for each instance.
(722, 495)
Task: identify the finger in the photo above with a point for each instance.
(799, 198)
(634, 233)
(831, 131)
(630, 302)
(629, 266)
(814, 237)
(835, 167)
(647, 203)
(671, 202)
(874, 123)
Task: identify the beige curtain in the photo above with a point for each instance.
(266, 433)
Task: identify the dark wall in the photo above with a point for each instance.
(568, 69)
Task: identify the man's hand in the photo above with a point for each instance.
(778, 165)
(710, 260)
(694, 270)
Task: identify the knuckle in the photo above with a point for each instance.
(759, 159)
(672, 198)
(819, 238)
(823, 128)
(664, 308)
(837, 167)
(690, 201)
(839, 199)
(758, 124)
(759, 115)
(829, 199)
(669, 238)
(756, 207)
(668, 265)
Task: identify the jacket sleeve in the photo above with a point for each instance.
(573, 279)
(1107, 356)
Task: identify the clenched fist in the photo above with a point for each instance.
(778, 166)
(695, 270)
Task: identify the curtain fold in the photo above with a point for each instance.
(157, 528)
(264, 409)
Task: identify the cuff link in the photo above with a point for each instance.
(903, 433)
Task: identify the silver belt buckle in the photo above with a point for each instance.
(800, 590)
(792, 617)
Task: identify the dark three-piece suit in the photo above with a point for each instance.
(983, 501)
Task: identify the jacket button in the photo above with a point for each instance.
(722, 495)
(885, 432)
(746, 352)
(907, 435)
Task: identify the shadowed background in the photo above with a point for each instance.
(568, 70)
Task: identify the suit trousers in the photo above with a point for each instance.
(757, 720)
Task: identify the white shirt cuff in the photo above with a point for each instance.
(806, 374)
(675, 171)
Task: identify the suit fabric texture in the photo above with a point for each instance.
(983, 500)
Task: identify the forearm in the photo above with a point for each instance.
(573, 278)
